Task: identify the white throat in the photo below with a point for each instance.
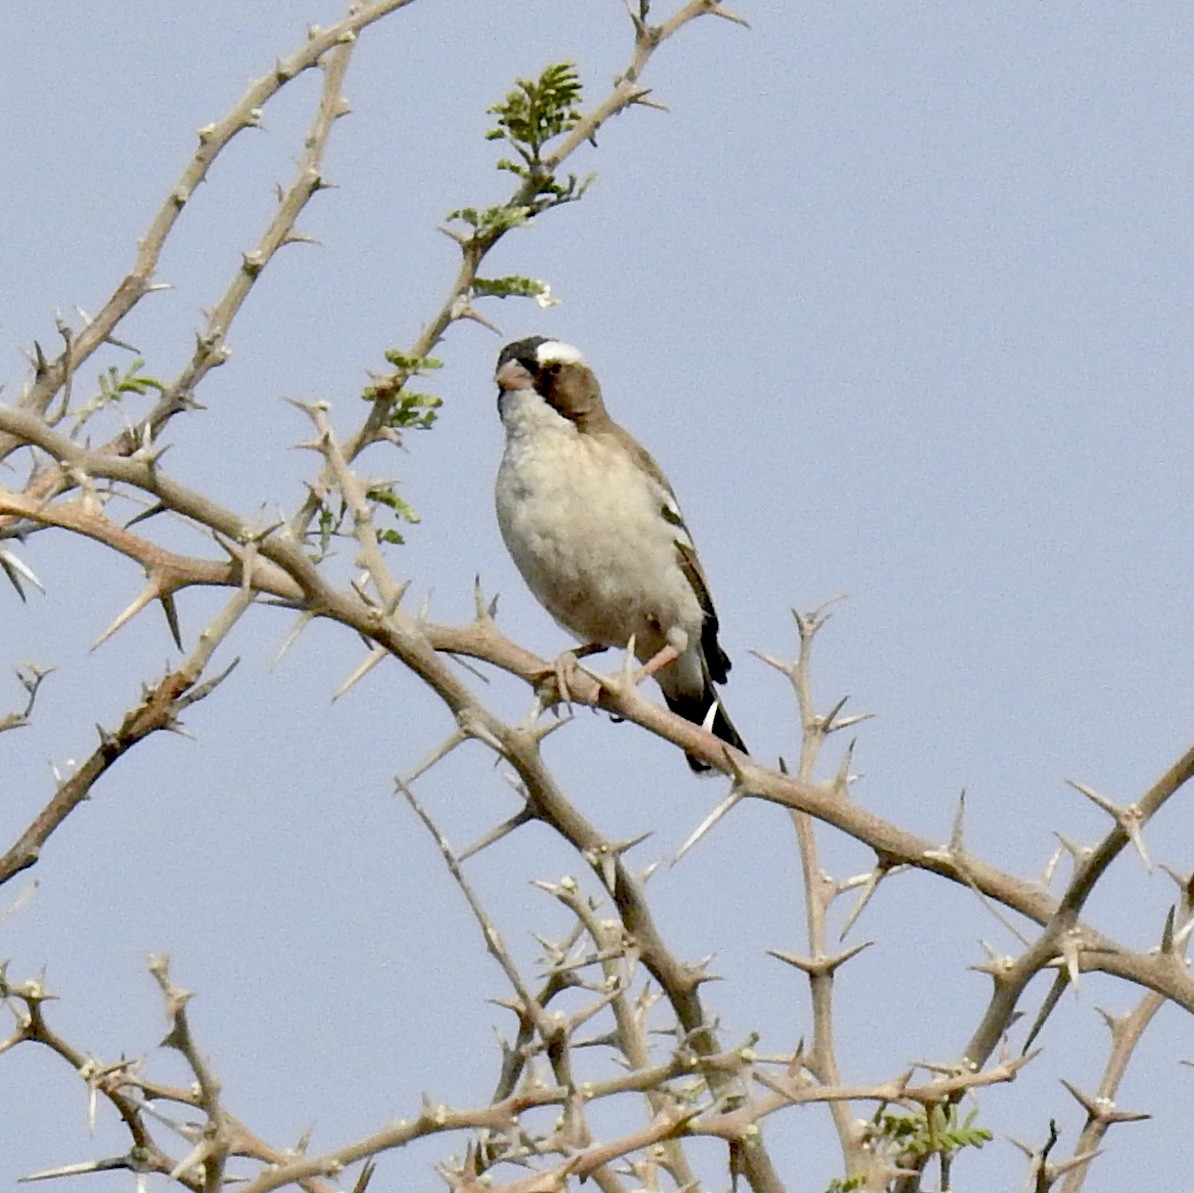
(524, 413)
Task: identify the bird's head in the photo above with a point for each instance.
(557, 373)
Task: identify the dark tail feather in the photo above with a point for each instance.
(695, 709)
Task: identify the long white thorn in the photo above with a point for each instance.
(150, 593)
(374, 657)
(721, 810)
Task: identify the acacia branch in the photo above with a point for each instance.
(158, 709)
(1066, 938)
(457, 304)
(1127, 1031)
(213, 140)
(31, 680)
(819, 892)
(416, 643)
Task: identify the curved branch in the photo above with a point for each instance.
(417, 644)
(213, 140)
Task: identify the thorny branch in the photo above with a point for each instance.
(457, 305)
(820, 891)
(682, 1081)
(31, 680)
(1127, 1030)
(160, 707)
(701, 1088)
(138, 1099)
(213, 140)
(283, 570)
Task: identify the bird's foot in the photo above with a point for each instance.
(627, 677)
(552, 684)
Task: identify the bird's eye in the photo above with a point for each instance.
(554, 368)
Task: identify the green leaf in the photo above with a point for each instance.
(912, 1136)
(536, 110)
(513, 286)
(114, 385)
(414, 411)
(329, 525)
(387, 495)
(415, 366)
(493, 221)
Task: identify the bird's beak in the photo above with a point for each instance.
(514, 375)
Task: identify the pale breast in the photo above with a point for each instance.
(584, 527)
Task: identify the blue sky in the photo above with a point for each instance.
(900, 297)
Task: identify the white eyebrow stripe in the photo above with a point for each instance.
(557, 352)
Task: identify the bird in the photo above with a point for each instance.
(594, 527)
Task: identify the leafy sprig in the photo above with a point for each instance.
(904, 1138)
(413, 366)
(535, 111)
(407, 410)
(114, 385)
(489, 223)
(388, 496)
(514, 286)
(532, 114)
(331, 521)
(413, 411)
(940, 1132)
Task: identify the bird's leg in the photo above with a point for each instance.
(668, 654)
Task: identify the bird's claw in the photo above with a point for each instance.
(628, 676)
(625, 679)
(552, 684)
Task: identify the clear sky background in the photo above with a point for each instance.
(899, 294)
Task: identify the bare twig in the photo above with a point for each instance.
(30, 678)
(213, 139)
(158, 709)
(819, 893)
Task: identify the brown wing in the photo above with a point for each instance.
(638, 454)
(716, 659)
